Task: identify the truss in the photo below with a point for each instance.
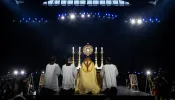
(86, 2)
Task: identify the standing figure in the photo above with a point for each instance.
(69, 73)
(109, 74)
(87, 79)
(51, 78)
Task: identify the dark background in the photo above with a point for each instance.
(132, 48)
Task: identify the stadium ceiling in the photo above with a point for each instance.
(143, 2)
(86, 2)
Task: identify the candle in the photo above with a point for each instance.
(101, 49)
(72, 49)
(95, 49)
(79, 49)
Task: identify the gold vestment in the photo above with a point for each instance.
(87, 79)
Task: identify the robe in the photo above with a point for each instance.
(87, 79)
(51, 77)
(69, 74)
(109, 72)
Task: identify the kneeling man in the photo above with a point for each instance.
(109, 74)
(69, 73)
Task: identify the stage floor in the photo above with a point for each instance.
(123, 91)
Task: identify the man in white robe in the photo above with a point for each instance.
(69, 73)
(51, 77)
(109, 73)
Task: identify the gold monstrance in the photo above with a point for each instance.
(88, 50)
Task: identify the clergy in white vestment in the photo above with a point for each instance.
(69, 73)
(51, 77)
(109, 73)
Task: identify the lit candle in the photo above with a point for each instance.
(101, 49)
(95, 49)
(72, 49)
(79, 49)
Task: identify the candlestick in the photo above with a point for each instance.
(79, 58)
(73, 56)
(72, 49)
(96, 65)
(79, 49)
(101, 49)
(101, 57)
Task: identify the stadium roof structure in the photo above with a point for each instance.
(86, 3)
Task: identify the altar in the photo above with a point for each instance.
(87, 51)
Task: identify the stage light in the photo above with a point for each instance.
(148, 72)
(20, 21)
(156, 19)
(143, 19)
(33, 21)
(22, 72)
(72, 16)
(88, 15)
(62, 17)
(41, 18)
(59, 15)
(150, 19)
(112, 15)
(98, 13)
(26, 21)
(139, 21)
(15, 72)
(22, 18)
(29, 18)
(39, 21)
(133, 21)
(42, 72)
(126, 21)
(46, 21)
(82, 15)
(139, 73)
(35, 18)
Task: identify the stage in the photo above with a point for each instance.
(123, 91)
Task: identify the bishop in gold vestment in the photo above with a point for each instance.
(87, 79)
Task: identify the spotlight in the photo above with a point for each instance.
(22, 72)
(139, 21)
(62, 17)
(15, 72)
(82, 15)
(88, 15)
(42, 72)
(148, 72)
(133, 21)
(72, 16)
